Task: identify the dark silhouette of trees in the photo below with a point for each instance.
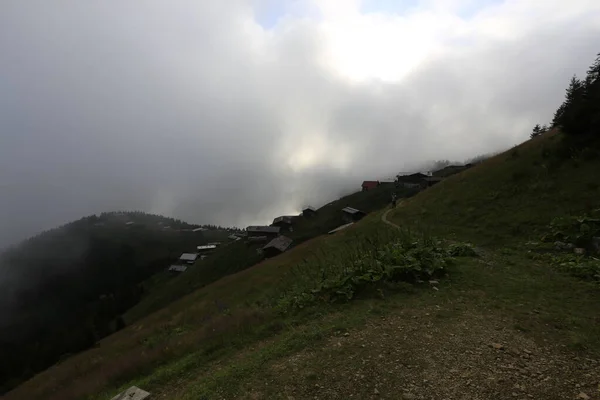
(579, 115)
(66, 288)
(537, 130)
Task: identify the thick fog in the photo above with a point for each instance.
(233, 112)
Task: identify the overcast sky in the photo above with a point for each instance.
(234, 112)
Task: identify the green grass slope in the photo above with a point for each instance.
(510, 198)
(163, 288)
(225, 340)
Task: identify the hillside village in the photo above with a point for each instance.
(272, 238)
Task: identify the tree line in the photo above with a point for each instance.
(578, 117)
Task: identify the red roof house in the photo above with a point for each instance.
(368, 185)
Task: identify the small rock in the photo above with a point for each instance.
(346, 334)
(582, 396)
(434, 282)
(376, 392)
(408, 396)
(526, 351)
(579, 250)
(514, 351)
(435, 288)
(497, 346)
(514, 394)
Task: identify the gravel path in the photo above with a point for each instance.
(420, 355)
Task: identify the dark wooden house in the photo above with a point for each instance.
(350, 214)
(308, 212)
(284, 222)
(276, 246)
(268, 231)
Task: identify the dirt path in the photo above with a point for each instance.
(430, 354)
(385, 220)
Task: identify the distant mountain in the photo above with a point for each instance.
(65, 288)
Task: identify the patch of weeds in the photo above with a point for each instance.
(579, 231)
(462, 250)
(408, 259)
(580, 266)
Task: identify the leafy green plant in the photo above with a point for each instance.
(578, 230)
(580, 266)
(462, 250)
(408, 258)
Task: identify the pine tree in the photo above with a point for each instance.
(537, 130)
(593, 74)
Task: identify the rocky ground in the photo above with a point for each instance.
(432, 354)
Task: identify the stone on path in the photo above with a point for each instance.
(133, 393)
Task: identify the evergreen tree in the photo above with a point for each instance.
(537, 130)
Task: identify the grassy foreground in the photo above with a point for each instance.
(502, 324)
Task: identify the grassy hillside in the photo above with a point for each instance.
(64, 289)
(329, 216)
(162, 289)
(510, 198)
(353, 313)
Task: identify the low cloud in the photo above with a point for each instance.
(196, 110)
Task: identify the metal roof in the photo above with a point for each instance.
(188, 257)
(280, 243)
(257, 239)
(206, 247)
(263, 229)
(178, 268)
(309, 208)
(284, 218)
(339, 228)
(351, 210)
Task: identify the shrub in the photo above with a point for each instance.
(578, 230)
(409, 258)
(462, 250)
